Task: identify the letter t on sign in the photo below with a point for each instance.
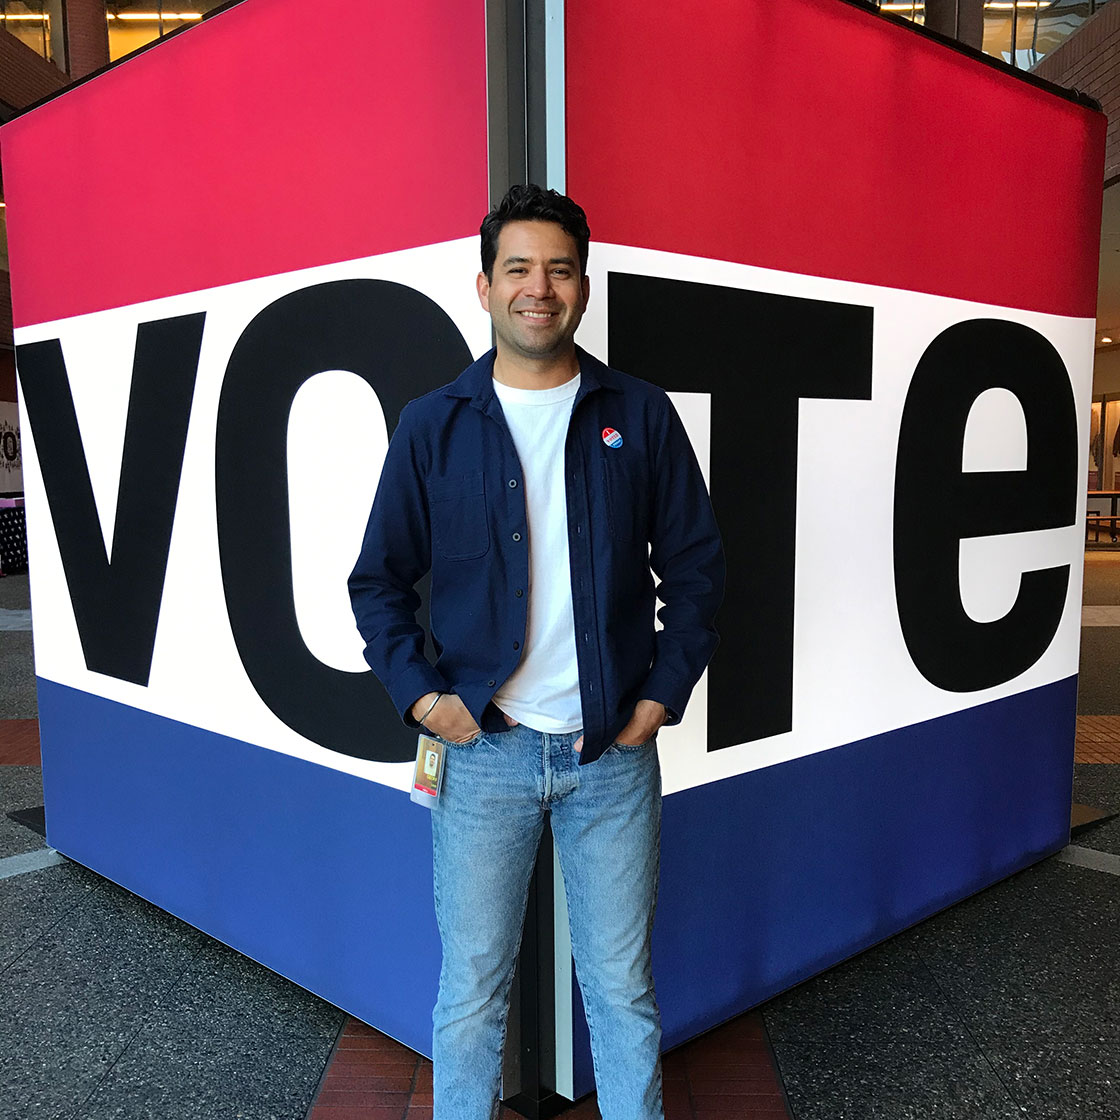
(757, 354)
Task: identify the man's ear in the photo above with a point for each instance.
(585, 284)
(483, 286)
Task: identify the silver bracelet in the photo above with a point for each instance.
(423, 718)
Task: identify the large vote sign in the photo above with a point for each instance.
(799, 234)
(805, 228)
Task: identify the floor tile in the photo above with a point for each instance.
(1098, 784)
(1063, 1081)
(348, 1112)
(1073, 928)
(46, 1071)
(886, 993)
(1098, 681)
(18, 697)
(1105, 837)
(891, 1081)
(15, 839)
(159, 1077)
(103, 965)
(33, 903)
(19, 742)
(222, 994)
(20, 787)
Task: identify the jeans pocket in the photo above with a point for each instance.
(465, 743)
(626, 748)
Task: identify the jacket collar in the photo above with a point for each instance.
(476, 382)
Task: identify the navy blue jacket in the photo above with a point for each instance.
(451, 500)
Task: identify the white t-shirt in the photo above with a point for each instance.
(543, 692)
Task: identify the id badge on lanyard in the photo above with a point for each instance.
(427, 778)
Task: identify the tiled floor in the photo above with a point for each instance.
(112, 1009)
(1098, 739)
(19, 742)
(728, 1074)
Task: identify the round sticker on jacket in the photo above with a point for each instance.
(611, 438)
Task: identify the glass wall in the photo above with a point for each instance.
(1020, 32)
(38, 24)
(132, 23)
(1035, 27)
(1038, 27)
(135, 23)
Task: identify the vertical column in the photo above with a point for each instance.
(525, 91)
(525, 75)
(961, 19)
(87, 37)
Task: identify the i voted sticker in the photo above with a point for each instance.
(611, 438)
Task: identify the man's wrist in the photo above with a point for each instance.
(423, 707)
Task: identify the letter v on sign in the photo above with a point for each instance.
(116, 599)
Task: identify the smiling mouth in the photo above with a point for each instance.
(540, 315)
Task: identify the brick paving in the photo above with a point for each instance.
(19, 742)
(1098, 739)
(727, 1074)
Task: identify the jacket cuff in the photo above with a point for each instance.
(411, 685)
(668, 690)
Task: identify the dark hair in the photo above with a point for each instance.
(526, 202)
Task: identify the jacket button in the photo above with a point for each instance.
(516, 645)
(517, 536)
(519, 593)
(513, 483)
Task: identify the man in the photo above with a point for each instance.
(539, 488)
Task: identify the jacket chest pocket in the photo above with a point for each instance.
(627, 499)
(458, 511)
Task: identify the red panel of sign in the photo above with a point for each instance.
(267, 139)
(820, 138)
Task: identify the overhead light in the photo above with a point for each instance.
(991, 5)
(41, 17)
(154, 17)
(1105, 341)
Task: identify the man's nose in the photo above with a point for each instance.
(540, 282)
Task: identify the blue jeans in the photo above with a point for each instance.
(606, 823)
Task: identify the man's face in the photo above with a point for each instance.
(537, 296)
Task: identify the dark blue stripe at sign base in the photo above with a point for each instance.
(324, 877)
(767, 877)
(773, 876)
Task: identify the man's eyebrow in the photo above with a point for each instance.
(527, 260)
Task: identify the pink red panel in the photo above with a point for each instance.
(819, 138)
(272, 137)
